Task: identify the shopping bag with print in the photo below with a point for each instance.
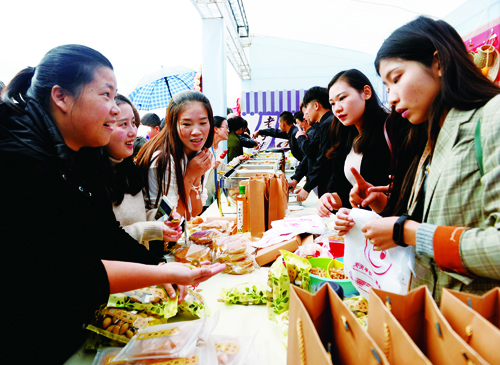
(387, 270)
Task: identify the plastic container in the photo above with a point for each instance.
(336, 248)
(349, 289)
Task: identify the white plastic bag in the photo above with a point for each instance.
(387, 270)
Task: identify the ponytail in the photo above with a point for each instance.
(14, 94)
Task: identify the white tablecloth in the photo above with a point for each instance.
(234, 319)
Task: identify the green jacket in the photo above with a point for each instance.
(457, 195)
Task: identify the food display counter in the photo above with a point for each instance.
(237, 320)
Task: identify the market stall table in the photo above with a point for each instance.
(237, 320)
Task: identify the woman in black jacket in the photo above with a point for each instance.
(358, 141)
(58, 221)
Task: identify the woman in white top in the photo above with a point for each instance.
(124, 182)
(359, 144)
(175, 161)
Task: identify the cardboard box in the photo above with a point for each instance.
(271, 253)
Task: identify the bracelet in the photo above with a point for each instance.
(197, 189)
(398, 231)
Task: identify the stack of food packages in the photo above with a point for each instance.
(179, 343)
(215, 241)
(126, 314)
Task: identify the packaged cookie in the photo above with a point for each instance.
(154, 300)
(118, 324)
(192, 254)
(232, 350)
(246, 293)
(166, 341)
(194, 304)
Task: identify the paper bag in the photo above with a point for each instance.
(278, 199)
(487, 305)
(387, 270)
(257, 194)
(418, 314)
(317, 320)
(390, 335)
(478, 332)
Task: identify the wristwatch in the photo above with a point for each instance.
(398, 231)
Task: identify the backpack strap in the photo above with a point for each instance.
(478, 147)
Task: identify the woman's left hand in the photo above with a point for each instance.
(379, 233)
(243, 157)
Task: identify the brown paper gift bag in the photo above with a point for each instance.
(315, 320)
(487, 305)
(390, 335)
(476, 330)
(278, 198)
(419, 315)
(258, 199)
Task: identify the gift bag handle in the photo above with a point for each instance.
(302, 350)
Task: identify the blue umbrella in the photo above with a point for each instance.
(155, 90)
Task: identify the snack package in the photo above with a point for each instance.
(288, 268)
(314, 250)
(118, 324)
(298, 269)
(358, 305)
(165, 341)
(205, 237)
(232, 350)
(278, 289)
(247, 293)
(203, 355)
(192, 254)
(95, 341)
(194, 304)
(236, 252)
(154, 300)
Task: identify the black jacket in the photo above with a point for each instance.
(290, 136)
(375, 165)
(321, 169)
(58, 224)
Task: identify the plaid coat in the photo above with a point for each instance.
(457, 195)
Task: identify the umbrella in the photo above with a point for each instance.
(155, 90)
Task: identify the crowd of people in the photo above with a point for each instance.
(81, 189)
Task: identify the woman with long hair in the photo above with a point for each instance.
(58, 219)
(125, 183)
(175, 161)
(358, 140)
(430, 79)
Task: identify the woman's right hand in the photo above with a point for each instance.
(327, 203)
(182, 274)
(365, 194)
(343, 222)
(199, 164)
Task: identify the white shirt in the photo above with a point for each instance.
(353, 159)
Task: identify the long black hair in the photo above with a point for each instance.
(70, 66)
(374, 116)
(463, 87)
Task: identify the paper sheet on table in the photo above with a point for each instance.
(286, 229)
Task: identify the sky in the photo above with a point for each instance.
(140, 37)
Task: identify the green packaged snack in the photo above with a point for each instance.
(298, 269)
(194, 304)
(278, 289)
(288, 268)
(246, 293)
(154, 300)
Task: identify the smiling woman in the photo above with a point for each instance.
(175, 161)
(57, 216)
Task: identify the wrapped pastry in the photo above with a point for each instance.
(194, 304)
(246, 293)
(192, 253)
(167, 341)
